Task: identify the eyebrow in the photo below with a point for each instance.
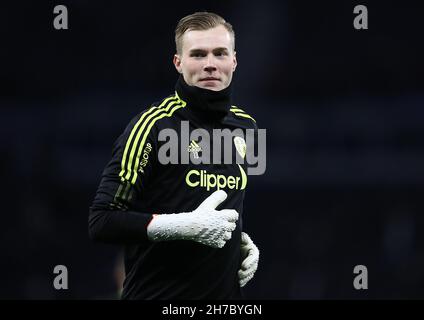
(220, 49)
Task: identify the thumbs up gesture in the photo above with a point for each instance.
(205, 224)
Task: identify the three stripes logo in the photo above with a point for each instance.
(240, 113)
(194, 149)
(136, 143)
(137, 139)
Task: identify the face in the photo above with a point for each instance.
(207, 59)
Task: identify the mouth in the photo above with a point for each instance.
(209, 79)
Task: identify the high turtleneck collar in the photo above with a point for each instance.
(213, 104)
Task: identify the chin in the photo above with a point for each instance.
(213, 88)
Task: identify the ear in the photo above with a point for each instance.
(177, 63)
(234, 61)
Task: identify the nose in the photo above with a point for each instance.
(210, 64)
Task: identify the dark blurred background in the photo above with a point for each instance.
(343, 109)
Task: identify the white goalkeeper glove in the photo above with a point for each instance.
(204, 225)
(250, 256)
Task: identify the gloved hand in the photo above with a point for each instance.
(204, 225)
(250, 256)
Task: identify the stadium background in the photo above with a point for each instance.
(344, 116)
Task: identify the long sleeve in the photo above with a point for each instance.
(112, 216)
(118, 227)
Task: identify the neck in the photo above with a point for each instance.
(213, 104)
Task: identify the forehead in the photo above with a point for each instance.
(207, 39)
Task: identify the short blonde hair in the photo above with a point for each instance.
(200, 21)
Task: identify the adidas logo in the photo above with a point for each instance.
(194, 148)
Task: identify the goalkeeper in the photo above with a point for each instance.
(181, 223)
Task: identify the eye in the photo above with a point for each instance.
(197, 55)
(221, 54)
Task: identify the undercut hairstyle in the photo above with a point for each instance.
(200, 21)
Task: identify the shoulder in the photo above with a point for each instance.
(150, 116)
(242, 115)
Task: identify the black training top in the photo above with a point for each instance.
(137, 183)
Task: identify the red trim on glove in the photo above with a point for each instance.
(153, 216)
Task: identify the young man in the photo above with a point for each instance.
(181, 222)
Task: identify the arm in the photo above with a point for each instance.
(120, 227)
(111, 221)
(111, 218)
